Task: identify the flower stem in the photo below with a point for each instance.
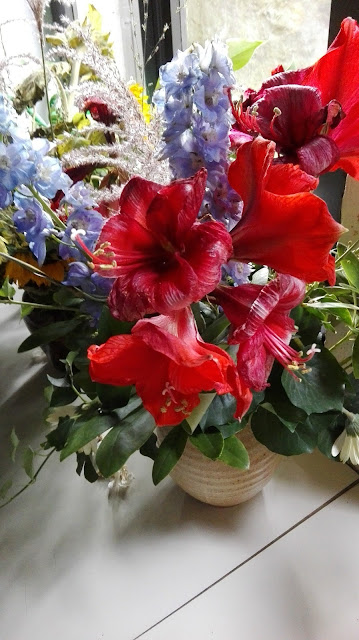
(348, 250)
(56, 220)
(33, 479)
(343, 339)
(45, 80)
(38, 306)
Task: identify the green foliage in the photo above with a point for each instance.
(350, 265)
(219, 412)
(122, 441)
(48, 333)
(57, 437)
(6, 290)
(271, 431)
(84, 429)
(355, 357)
(113, 397)
(210, 443)
(168, 454)
(108, 326)
(234, 453)
(240, 51)
(14, 440)
(28, 462)
(321, 388)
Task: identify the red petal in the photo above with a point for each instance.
(254, 362)
(292, 233)
(336, 73)
(137, 196)
(318, 155)
(208, 246)
(300, 114)
(284, 179)
(119, 360)
(126, 303)
(130, 244)
(175, 207)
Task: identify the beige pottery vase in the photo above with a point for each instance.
(218, 484)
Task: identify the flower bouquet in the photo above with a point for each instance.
(177, 257)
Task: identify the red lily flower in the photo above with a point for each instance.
(262, 327)
(170, 364)
(162, 256)
(289, 231)
(312, 114)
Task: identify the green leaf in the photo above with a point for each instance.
(350, 265)
(240, 51)
(112, 397)
(220, 411)
(57, 437)
(66, 298)
(4, 488)
(108, 326)
(287, 423)
(26, 309)
(210, 444)
(283, 407)
(355, 357)
(149, 448)
(6, 290)
(234, 453)
(327, 426)
(123, 441)
(309, 325)
(321, 389)
(271, 432)
(46, 334)
(28, 462)
(169, 453)
(229, 429)
(81, 459)
(59, 396)
(14, 444)
(90, 472)
(83, 431)
(58, 382)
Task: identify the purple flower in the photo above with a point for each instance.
(5, 197)
(35, 224)
(79, 196)
(15, 166)
(81, 276)
(238, 271)
(89, 223)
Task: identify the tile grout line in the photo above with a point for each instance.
(269, 544)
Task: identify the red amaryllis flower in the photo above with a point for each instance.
(99, 111)
(312, 114)
(288, 231)
(162, 256)
(262, 327)
(169, 364)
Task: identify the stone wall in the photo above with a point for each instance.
(293, 32)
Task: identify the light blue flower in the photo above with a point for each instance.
(180, 74)
(5, 197)
(79, 196)
(36, 225)
(15, 166)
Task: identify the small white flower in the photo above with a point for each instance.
(119, 482)
(347, 446)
